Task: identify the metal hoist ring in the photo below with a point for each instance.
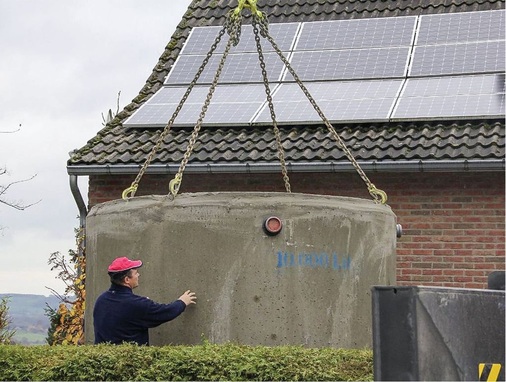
(251, 5)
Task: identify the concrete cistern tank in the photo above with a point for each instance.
(268, 268)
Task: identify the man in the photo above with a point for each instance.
(121, 316)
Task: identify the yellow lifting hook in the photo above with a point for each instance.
(129, 191)
(251, 5)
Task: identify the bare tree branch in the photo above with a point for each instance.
(55, 293)
(20, 206)
(12, 131)
(3, 190)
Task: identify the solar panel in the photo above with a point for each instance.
(335, 111)
(231, 104)
(239, 68)
(479, 96)
(222, 93)
(341, 90)
(340, 101)
(350, 64)
(201, 38)
(454, 85)
(480, 57)
(352, 34)
(461, 27)
(172, 95)
(451, 107)
(222, 114)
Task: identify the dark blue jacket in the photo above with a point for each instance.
(121, 316)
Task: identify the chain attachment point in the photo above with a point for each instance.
(174, 184)
(251, 5)
(378, 195)
(130, 190)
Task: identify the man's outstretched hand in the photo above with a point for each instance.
(188, 298)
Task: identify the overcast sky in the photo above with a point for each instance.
(62, 64)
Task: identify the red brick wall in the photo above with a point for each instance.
(453, 222)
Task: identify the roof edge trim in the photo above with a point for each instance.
(368, 166)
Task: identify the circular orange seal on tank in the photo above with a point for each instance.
(273, 225)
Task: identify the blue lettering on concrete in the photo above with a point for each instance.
(308, 260)
(313, 260)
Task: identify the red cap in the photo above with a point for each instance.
(123, 264)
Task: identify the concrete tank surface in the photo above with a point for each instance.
(308, 285)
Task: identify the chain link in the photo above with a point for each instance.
(281, 153)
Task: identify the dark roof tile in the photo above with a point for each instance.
(399, 142)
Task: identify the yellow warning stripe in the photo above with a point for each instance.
(489, 371)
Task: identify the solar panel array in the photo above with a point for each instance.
(445, 66)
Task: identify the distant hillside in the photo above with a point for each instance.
(28, 316)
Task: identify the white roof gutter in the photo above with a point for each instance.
(368, 166)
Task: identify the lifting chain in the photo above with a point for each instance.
(233, 29)
(281, 153)
(379, 196)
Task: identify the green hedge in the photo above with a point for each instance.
(202, 362)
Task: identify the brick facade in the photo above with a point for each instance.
(453, 222)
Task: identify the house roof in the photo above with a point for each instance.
(452, 145)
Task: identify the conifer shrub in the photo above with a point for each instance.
(207, 362)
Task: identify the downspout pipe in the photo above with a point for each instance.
(83, 211)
